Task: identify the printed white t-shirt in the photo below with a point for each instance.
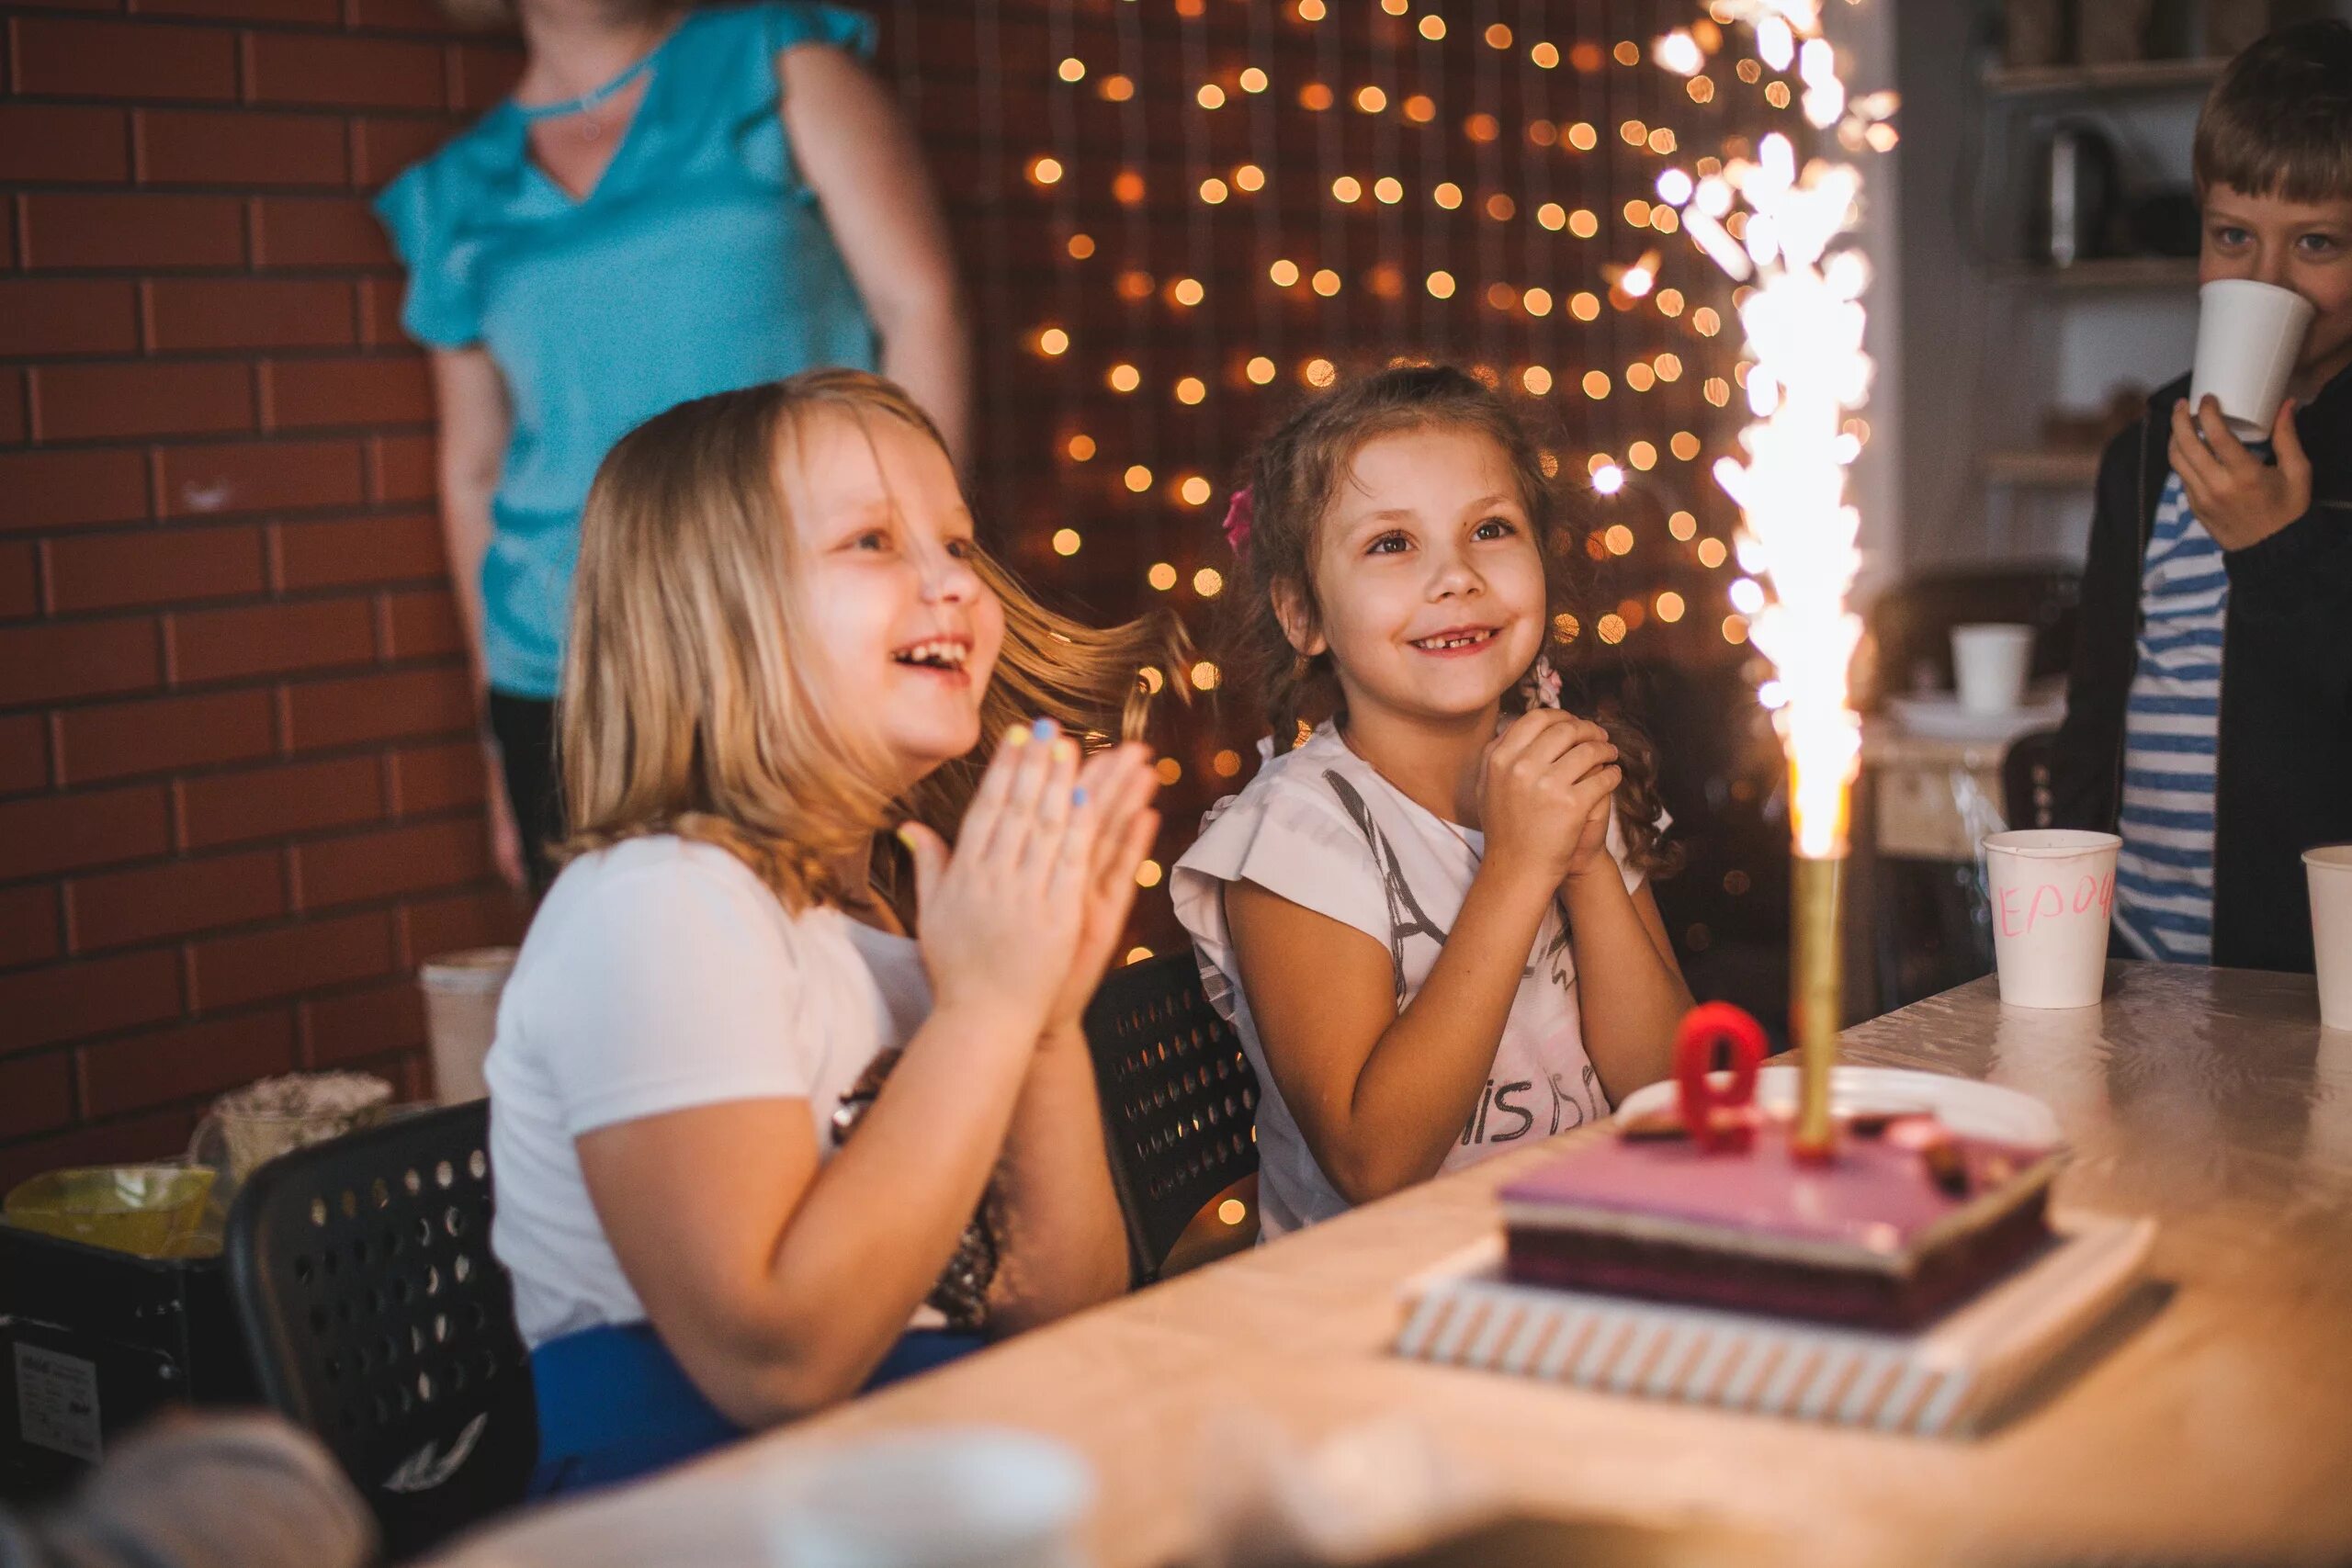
(1320, 826)
(660, 974)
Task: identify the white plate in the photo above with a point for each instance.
(1940, 716)
(1967, 1107)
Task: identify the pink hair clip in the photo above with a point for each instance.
(1239, 516)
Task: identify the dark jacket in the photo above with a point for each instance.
(2284, 775)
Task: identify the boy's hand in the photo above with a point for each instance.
(2240, 498)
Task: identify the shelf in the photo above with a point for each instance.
(2117, 272)
(2061, 469)
(2138, 76)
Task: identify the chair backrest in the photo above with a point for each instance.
(2025, 779)
(378, 1318)
(1179, 1101)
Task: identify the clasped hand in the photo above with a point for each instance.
(1544, 793)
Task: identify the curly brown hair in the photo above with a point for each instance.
(1292, 481)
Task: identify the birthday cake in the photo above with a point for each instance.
(1719, 1204)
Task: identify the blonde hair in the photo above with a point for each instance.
(687, 704)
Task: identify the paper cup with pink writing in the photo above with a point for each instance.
(2053, 895)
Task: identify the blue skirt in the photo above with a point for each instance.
(615, 1404)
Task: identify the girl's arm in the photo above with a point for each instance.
(1381, 1095)
(1632, 995)
(470, 399)
(862, 159)
(1063, 1245)
(779, 1282)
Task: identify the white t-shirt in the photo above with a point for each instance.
(1320, 826)
(659, 975)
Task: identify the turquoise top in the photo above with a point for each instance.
(700, 262)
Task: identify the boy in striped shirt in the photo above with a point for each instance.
(2209, 709)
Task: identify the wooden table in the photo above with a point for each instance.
(2216, 1426)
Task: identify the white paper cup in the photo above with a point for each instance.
(2248, 335)
(2329, 869)
(969, 1497)
(461, 992)
(1989, 665)
(2053, 895)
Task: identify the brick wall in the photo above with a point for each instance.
(238, 795)
(239, 798)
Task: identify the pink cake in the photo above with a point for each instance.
(1904, 1220)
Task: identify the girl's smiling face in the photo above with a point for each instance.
(1429, 581)
(906, 633)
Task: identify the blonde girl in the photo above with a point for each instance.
(1429, 914)
(757, 1145)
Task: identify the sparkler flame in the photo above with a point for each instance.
(1805, 321)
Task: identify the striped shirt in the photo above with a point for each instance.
(2164, 877)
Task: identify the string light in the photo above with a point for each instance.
(1326, 282)
(1441, 285)
(1682, 525)
(1318, 372)
(1536, 379)
(1044, 171)
(1420, 108)
(1537, 301)
(1583, 137)
(1249, 177)
(1191, 390)
(1347, 189)
(1080, 447)
(1213, 190)
(1283, 274)
(1072, 69)
(1261, 369)
(1670, 606)
(1432, 27)
(1115, 89)
(1082, 246)
(1163, 577)
(1137, 478)
(1066, 541)
(1371, 100)
(1208, 582)
(1711, 553)
(1618, 538)
(1169, 771)
(1388, 190)
(1225, 764)
(1204, 676)
(1446, 193)
(1125, 378)
(1210, 96)
(1252, 80)
(1194, 490)
(1551, 216)
(1583, 223)
(1052, 343)
(1545, 55)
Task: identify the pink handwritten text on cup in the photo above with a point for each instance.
(2022, 908)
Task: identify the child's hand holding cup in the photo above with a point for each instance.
(2249, 336)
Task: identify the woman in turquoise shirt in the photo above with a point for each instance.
(672, 203)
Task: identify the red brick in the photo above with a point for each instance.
(54, 317)
(78, 658)
(269, 639)
(483, 73)
(157, 567)
(24, 753)
(28, 925)
(241, 148)
(341, 73)
(259, 476)
(165, 734)
(314, 393)
(79, 59)
(36, 1094)
(46, 143)
(75, 229)
(46, 833)
(177, 899)
(403, 548)
(318, 231)
(405, 17)
(192, 1061)
(422, 624)
(382, 148)
(378, 707)
(379, 313)
(20, 584)
(404, 468)
(436, 778)
(70, 489)
(81, 402)
(490, 917)
(163, 1135)
(71, 1002)
(228, 971)
(323, 11)
(350, 1026)
(248, 314)
(273, 803)
(421, 858)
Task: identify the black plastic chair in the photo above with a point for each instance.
(2025, 779)
(378, 1318)
(1179, 1101)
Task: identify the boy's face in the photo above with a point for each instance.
(2305, 247)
